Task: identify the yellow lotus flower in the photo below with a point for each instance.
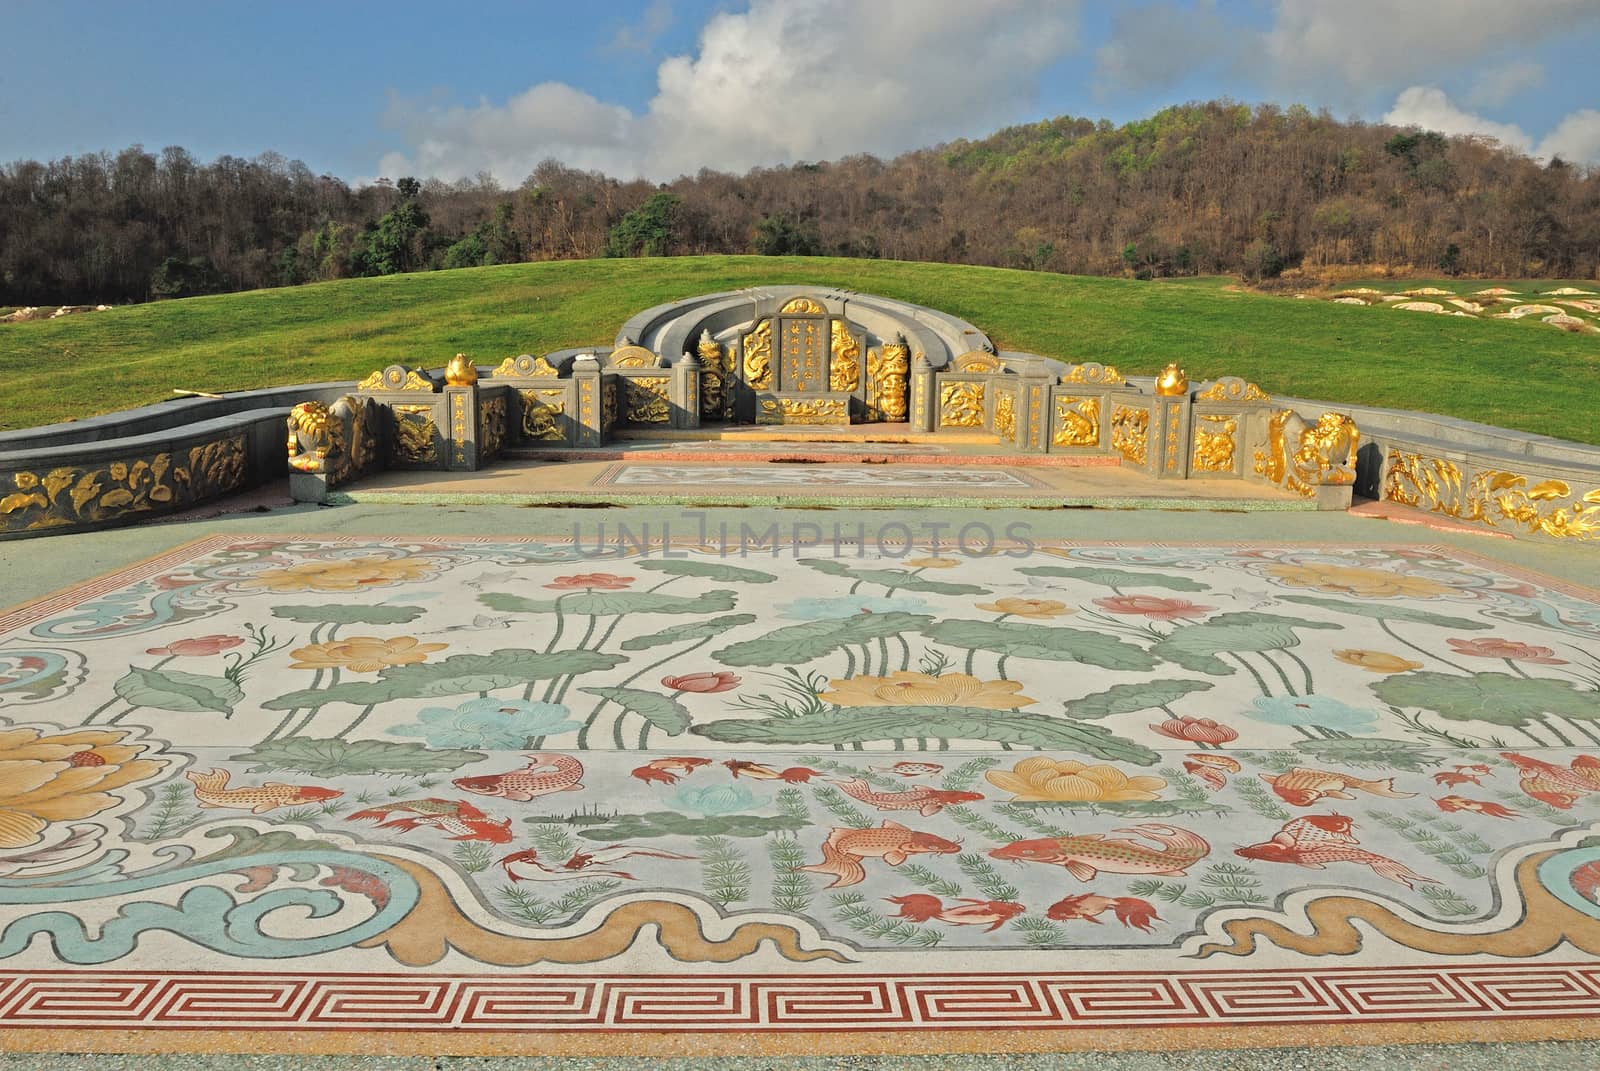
(934, 563)
(1351, 580)
(356, 574)
(1037, 608)
(63, 776)
(1046, 780)
(1376, 661)
(904, 688)
(363, 654)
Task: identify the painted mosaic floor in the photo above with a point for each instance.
(819, 476)
(507, 788)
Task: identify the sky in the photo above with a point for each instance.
(658, 88)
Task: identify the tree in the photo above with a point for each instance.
(649, 230)
(780, 236)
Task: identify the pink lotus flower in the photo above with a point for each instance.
(603, 581)
(1152, 606)
(198, 645)
(1196, 730)
(1491, 647)
(721, 681)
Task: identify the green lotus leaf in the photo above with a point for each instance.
(661, 711)
(1406, 755)
(892, 578)
(1116, 579)
(1387, 612)
(344, 614)
(349, 758)
(689, 630)
(863, 724)
(172, 689)
(1496, 698)
(456, 675)
(795, 644)
(723, 574)
(609, 603)
(1195, 647)
(1027, 640)
(1127, 698)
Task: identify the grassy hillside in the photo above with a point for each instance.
(1521, 374)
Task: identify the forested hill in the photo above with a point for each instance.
(1203, 188)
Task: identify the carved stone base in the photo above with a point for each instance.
(782, 407)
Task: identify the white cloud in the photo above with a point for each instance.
(1158, 45)
(1576, 139)
(1431, 109)
(640, 37)
(787, 80)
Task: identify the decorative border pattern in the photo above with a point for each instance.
(598, 1003)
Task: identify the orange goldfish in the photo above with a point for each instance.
(1129, 910)
(922, 907)
(892, 842)
(211, 790)
(1302, 787)
(1461, 803)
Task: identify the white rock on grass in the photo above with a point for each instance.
(1572, 291)
(1495, 291)
(1348, 301)
(1466, 306)
(1428, 291)
(1420, 306)
(1520, 311)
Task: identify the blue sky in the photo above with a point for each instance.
(659, 87)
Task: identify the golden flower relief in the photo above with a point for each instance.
(1046, 780)
(904, 688)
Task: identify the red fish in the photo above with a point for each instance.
(1555, 785)
(667, 771)
(1303, 787)
(921, 907)
(1317, 840)
(1451, 780)
(1129, 910)
(211, 790)
(527, 866)
(458, 818)
(892, 842)
(545, 773)
(1086, 854)
(1586, 881)
(1461, 803)
(922, 799)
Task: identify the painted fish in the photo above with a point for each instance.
(527, 866)
(1302, 787)
(1087, 854)
(922, 907)
(794, 775)
(667, 771)
(908, 769)
(1129, 910)
(1586, 881)
(922, 799)
(458, 819)
(1211, 768)
(892, 842)
(1317, 840)
(545, 773)
(1461, 803)
(211, 790)
(1556, 785)
(1452, 780)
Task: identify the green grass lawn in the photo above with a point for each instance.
(1516, 374)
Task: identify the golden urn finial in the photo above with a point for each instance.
(1172, 381)
(460, 372)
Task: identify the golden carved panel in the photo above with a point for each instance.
(803, 305)
(414, 435)
(805, 411)
(86, 495)
(976, 361)
(525, 366)
(1233, 389)
(1214, 440)
(1492, 497)
(646, 399)
(1130, 433)
(1005, 416)
(634, 357)
(844, 365)
(757, 347)
(888, 376)
(491, 425)
(1174, 419)
(1077, 422)
(541, 410)
(961, 405)
(396, 377)
(1094, 373)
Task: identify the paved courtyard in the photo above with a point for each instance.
(493, 780)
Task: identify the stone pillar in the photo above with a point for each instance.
(461, 444)
(1033, 408)
(924, 400)
(1169, 437)
(686, 392)
(589, 429)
